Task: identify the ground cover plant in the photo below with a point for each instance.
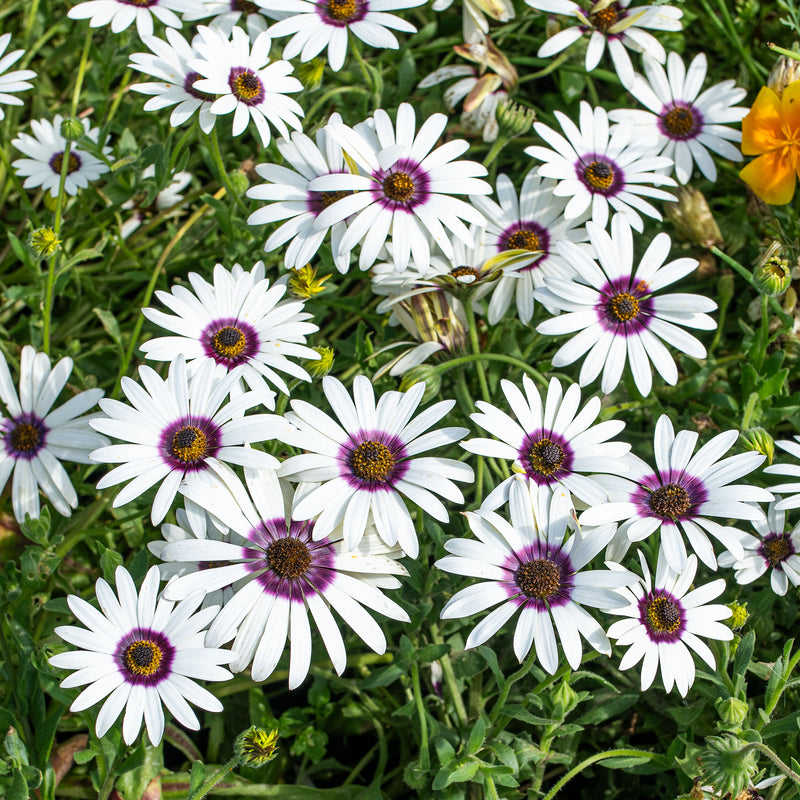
(399, 399)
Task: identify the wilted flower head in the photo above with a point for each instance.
(692, 218)
(785, 71)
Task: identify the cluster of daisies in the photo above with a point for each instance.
(289, 517)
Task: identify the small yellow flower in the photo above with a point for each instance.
(256, 747)
(771, 131)
(304, 283)
(320, 367)
(44, 242)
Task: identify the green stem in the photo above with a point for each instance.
(450, 678)
(775, 758)
(222, 772)
(424, 755)
(81, 524)
(763, 336)
(13, 682)
(223, 176)
(491, 789)
(472, 327)
(593, 760)
(368, 77)
(497, 708)
(783, 51)
(110, 779)
(499, 143)
(76, 94)
(173, 159)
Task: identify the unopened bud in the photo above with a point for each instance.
(239, 181)
(732, 711)
(310, 74)
(565, 698)
(772, 274)
(758, 440)
(728, 764)
(72, 129)
(785, 71)
(320, 367)
(44, 242)
(304, 283)
(424, 373)
(256, 747)
(514, 119)
(739, 615)
(693, 219)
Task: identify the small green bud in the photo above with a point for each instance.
(565, 698)
(304, 283)
(772, 274)
(44, 242)
(256, 747)
(739, 616)
(320, 367)
(732, 712)
(239, 181)
(514, 119)
(72, 129)
(758, 440)
(424, 373)
(728, 764)
(310, 74)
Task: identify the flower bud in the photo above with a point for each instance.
(565, 698)
(320, 367)
(785, 71)
(44, 242)
(304, 283)
(732, 712)
(256, 747)
(758, 440)
(424, 373)
(693, 219)
(728, 764)
(72, 129)
(772, 274)
(239, 181)
(514, 119)
(739, 616)
(310, 74)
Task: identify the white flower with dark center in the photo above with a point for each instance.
(552, 444)
(596, 168)
(45, 151)
(289, 198)
(227, 14)
(405, 189)
(531, 566)
(280, 570)
(121, 13)
(615, 23)
(532, 221)
(683, 124)
(174, 86)
(615, 314)
(15, 81)
(679, 496)
(34, 439)
(180, 433)
(326, 23)
(239, 320)
(791, 471)
(776, 550)
(370, 460)
(663, 623)
(141, 652)
(245, 82)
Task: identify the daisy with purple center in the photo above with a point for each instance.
(551, 443)
(35, 437)
(663, 623)
(776, 550)
(615, 314)
(121, 13)
(326, 23)
(280, 571)
(141, 651)
(611, 22)
(531, 566)
(238, 321)
(289, 198)
(179, 432)
(168, 63)
(245, 82)
(532, 221)
(227, 14)
(404, 189)
(680, 494)
(597, 168)
(681, 123)
(370, 460)
(15, 81)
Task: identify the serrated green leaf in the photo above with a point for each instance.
(459, 772)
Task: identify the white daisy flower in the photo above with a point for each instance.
(597, 168)
(281, 571)
(35, 439)
(532, 221)
(791, 471)
(776, 550)
(179, 432)
(405, 189)
(16, 81)
(552, 444)
(168, 197)
(169, 64)
(236, 321)
(614, 23)
(370, 460)
(246, 82)
(326, 23)
(680, 494)
(121, 13)
(141, 652)
(684, 124)
(290, 198)
(45, 151)
(531, 566)
(615, 314)
(227, 14)
(663, 623)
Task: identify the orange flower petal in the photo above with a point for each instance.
(761, 128)
(771, 177)
(790, 105)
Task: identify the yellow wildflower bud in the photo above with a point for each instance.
(44, 242)
(304, 283)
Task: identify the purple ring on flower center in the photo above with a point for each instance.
(341, 13)
(24, 436)
(663, 616)
(230, 341)
(372, 460)
(246, 86)
(600, 174)
(144, 657)
(288, 562)
(186, 443)
(545, 456)
(526, 235)
(188, 87)
(404, 186)
(775, 548)
(624, 307)
(542, 577)
(669, 496)
(680, 121)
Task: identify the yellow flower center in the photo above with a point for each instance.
(228, 342)
(523, 240)
(604, 19)
(142, 657)
(540, 578)
(341, 10)
(777, 550)
(623, 307)
(680, 122)
(663, 615)
(466, 272)
(246, 86)
(24, 437)
(546, 457)
(372, 461)
(599, 175)
(398, 186)
(189, 444)
(329, 198)
(670, 501)
(289, 557)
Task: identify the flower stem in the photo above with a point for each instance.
(512, 679)
(222, 772)
(223, 176)
(424, 755)
(457, 362)
(774, 757)
(450, 678)
(476, 349)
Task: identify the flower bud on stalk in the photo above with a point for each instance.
(320, 367)
(72, 129)
(759, 441)
(772, 274)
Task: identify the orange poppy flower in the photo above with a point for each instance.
(771, 131)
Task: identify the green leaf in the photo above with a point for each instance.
(775, 680)
(19, 787)
(780, 727)
(196, 778)
(607, 706)
(744, 653)
(523, 715)
(491, 659)
(37, 529)
(459, 773)
(110, 325)
(477, 735)
(109, 561)
(15, 748)
(623, 762)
